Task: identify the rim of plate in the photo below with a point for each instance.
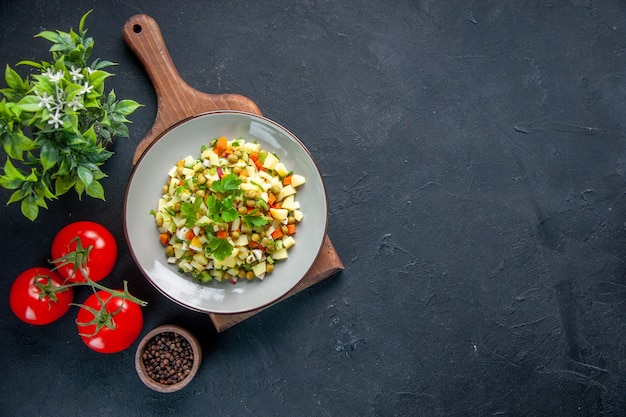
(219, 292)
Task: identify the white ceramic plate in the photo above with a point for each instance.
(145, 188)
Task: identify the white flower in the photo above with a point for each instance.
(56, 119)
(86, 89)
(76, 74)
(55, 77)
(45, 100)
(75, 104)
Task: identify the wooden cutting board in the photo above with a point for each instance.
(178, 101)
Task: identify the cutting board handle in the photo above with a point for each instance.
(176, 100)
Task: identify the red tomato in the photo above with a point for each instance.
(32, 305)
(114, 328)
(96, 254)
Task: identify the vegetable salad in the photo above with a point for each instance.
(231, 214)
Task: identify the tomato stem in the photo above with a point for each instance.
(101, 318)
(125, 294)
(78, 258)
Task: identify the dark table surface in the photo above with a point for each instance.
(473, 155)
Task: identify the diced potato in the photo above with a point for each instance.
(279, 214)
(288, 242)
(298, 215)
(211, 156)
(260, 269)
(289, 203)
(179, 221)
(265, 176)
(251, 147)
(185, 266)
(297, 180)
(189, 161)
(196, 265)
(281, 169)
(229, 262)
(242, 241)
(246, 186)
(160, 207)
(270, 161)
(286, 191)
(201, 259)
(280, 254)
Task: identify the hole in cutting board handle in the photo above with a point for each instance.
(137, 28)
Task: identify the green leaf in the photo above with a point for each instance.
(189, 211)
(228, 183)
(220, 248)
(41, 188)
(95, 190)
(29, 207)
(16, 196)
(29, 103)
(79, 187)
(33, 176)
(229, 212)
(31, 64)
(81, 25)
(254, 219)
(13, 79)
(99, 64)
(10, 183)
(97, 77)
(63, 184)
(111, 98)
(15, 144)
(49, 155)
(126, 107)
(213, 206)
(53, 37)
(12, 172)
(85, 176)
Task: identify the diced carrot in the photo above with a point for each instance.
(164, 238)
(271, 198)
(255, 158)
(189, 235)
(277, 205)
(277, 234)
(255, 245)
(291, 229)
(180, 163)
(287, 180)
(222, 234)
(221, 145)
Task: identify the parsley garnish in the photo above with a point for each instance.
(227, 184)
(220, 248)
(189, 211)
(252, 219)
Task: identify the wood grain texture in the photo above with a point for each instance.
(176, 100)
(326, 265)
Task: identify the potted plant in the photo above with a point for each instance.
(56, 124)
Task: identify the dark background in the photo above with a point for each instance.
(473, 154)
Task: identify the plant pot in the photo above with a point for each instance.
(168, 358)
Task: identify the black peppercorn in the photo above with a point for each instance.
(167, 358)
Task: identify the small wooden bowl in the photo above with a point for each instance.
(141, 367)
